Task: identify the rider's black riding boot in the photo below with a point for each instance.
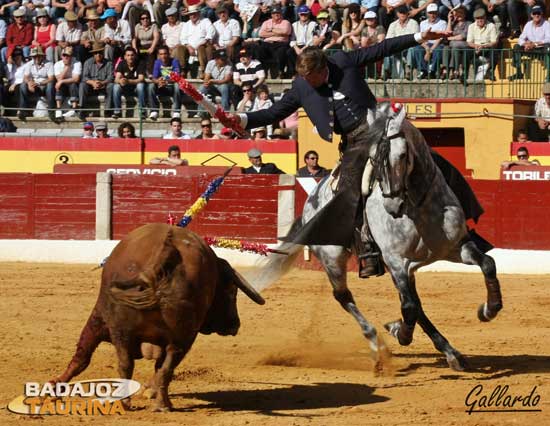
(370, 258)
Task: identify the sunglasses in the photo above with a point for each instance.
(247, 90)
(536, 13)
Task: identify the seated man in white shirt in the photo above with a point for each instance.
(38, 81)
(228, 32)
(196, 36)
(67, 74)
(533, 42)
(175, 130)
(428, 54)
(400, 64)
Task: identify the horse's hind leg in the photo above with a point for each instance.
(471, 255)
(334, 260)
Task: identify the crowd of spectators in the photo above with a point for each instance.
(55, 54)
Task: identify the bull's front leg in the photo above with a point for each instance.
(125, 360)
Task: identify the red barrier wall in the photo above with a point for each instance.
(46, 206)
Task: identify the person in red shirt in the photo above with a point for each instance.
(20, 33)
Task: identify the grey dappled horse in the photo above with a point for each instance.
(414, 218)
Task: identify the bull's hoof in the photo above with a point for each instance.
(457, 362)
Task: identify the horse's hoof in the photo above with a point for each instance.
(482, 313)
(457, 362)
(393, 327)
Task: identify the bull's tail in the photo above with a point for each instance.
(94, 332)
(140, 292)
(267, 273)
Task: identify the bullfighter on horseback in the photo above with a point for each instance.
(333, 92)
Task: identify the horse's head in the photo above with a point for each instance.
(390, 157)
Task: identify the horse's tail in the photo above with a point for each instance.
(268, 272)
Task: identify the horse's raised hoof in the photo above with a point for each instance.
(395, 329)
(484, 314)
(457, 362)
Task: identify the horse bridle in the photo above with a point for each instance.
(378, 163)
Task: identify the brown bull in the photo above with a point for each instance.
(161, 285)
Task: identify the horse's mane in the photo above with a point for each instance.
(377, 135)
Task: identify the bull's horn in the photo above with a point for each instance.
(247, 289)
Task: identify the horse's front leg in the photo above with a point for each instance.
(334, 260)
(403, 330)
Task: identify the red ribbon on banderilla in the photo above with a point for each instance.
(215, 111)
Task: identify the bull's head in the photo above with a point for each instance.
(223, 318)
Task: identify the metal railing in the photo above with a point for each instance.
(461, 73)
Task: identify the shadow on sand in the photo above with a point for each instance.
(486, 367)
(288, 397)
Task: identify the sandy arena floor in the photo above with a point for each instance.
(298, 360)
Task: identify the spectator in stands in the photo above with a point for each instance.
(129, 80)
(482, 37)
(173, 159)
(88, 130)
(67, 74)
(453, 53)
(263, 101)
(247, 70)
(259, 133)
(258, 167)
(85, 6)
(206, 130)
(428, 54)
(20, 33)
(326, 33)
(69, 33)
(534, 40)
(171, 32)
(134, 9)
(38, 81)
(60, 7)
(518, 8)
(146, 41)
(387, 9)
(275, 34)
(197, 35)
(162, 85)
(400, 65)
(15, 72)
(116, 35)
(539, 128)
(352, 26)
(101, 130)
(522, 136)
(312, 167)
(175, 130)
(302, 36)
(218, 78)
(44, 34)
(92, 34)
(228, 32)
(447, 5)
(159, 11)
(7, 9)
(126, 131)
(372, 34)
(522, 159)
(97, 78)
(247, 102)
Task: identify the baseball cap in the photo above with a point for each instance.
(536, 9)
(277, 9)
(303, 10)
(370, 15)
(171, 11)
(402, 9)
(109, 13)
(101, 126)
(88, 125)
(68, 50)
(254, 153)
(323, 14)
(432, 7)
